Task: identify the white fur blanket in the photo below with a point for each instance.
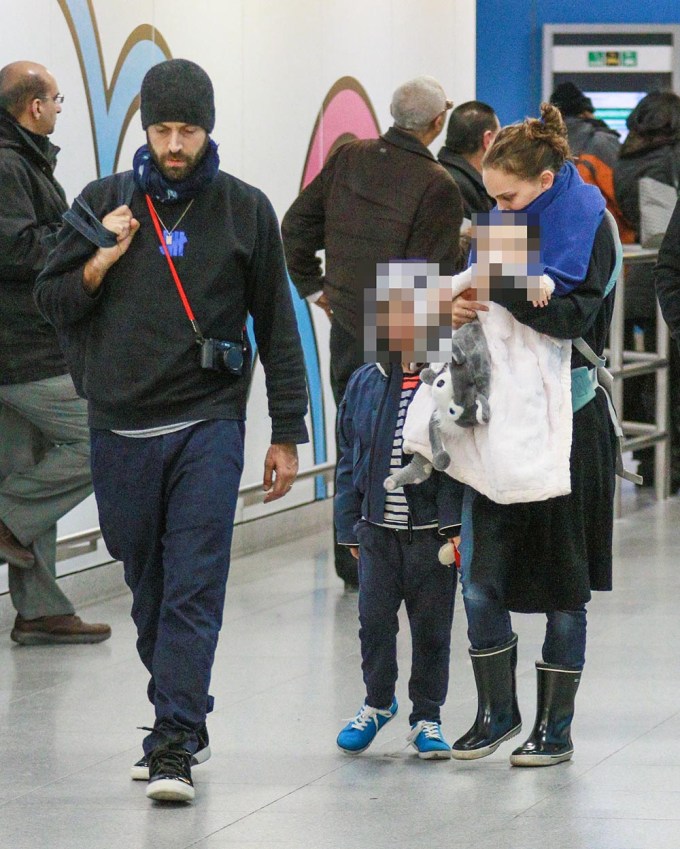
(523, 453)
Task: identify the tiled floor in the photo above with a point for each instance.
(286, 675)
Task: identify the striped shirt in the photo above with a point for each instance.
(396, 507)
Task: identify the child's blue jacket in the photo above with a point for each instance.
(367, 419)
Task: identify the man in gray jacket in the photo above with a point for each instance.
(44, 438)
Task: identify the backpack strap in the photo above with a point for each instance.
(605, 381)
(618, 247)
(584, 348)
(83, 219)
(584, 382)
(586, 163)
(599, 375)
(126, 188)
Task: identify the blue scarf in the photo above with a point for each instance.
(569, 213)
(150, 180)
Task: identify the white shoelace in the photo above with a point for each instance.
(369, 714)
(430, 729)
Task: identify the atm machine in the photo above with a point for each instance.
(615, 65)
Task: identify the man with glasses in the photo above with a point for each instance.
(44, 437)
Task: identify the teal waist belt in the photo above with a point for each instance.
(583, 383)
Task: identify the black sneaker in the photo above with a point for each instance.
(140, 770)
(170, 773)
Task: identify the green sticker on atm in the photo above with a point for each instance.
(612, 58)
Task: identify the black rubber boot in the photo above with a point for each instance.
(550, 741)
(498, 716)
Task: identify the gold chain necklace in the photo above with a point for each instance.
(168, 233)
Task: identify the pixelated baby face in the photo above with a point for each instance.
(407, 317)
(506, 255)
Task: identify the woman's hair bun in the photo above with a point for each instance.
(532, 146)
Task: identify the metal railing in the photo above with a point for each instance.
(625, 364)
(84, 542)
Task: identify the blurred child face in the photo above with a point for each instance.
(401, 329)
(415, 322)
(512, 192)
(407, 316)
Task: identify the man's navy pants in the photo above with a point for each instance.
(166, 508)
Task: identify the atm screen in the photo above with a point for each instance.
(613, 107)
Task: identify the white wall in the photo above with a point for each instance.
(272, 63)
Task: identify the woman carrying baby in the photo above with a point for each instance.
(544, 556)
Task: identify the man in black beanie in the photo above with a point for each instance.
(594, 146)
(587, 134)
(571, 101)
(152, 307)
(178, 90)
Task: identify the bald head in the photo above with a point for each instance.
(27, 92)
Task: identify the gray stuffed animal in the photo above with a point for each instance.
(465, 399)
(417, 471)
(461, 395)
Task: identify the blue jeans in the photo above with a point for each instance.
(489, 622)
(393, 569)
(166, 507)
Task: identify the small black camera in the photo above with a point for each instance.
(220, 355)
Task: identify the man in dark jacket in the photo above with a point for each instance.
(587, 134)
(667, 275)
(374, 200)
(595, 148)
(166, 368)
(44, 440)
(651, 149)
(472, 128)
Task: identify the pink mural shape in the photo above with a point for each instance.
(346, 113)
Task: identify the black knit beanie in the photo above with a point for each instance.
(570, 100)
(178, 90)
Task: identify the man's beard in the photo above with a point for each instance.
(176, 173)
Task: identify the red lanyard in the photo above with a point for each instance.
(173, 270)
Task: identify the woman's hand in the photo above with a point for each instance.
(463, 310)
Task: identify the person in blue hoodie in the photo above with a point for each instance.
(396, 538)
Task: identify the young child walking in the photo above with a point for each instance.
(396, 537)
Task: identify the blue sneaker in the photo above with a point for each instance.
(358, 735)
(426, 738)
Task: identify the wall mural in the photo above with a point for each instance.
(111, 106)
(346, 114)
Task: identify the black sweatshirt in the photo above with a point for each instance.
(133, 350)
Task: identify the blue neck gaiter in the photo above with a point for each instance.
(150, 180)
